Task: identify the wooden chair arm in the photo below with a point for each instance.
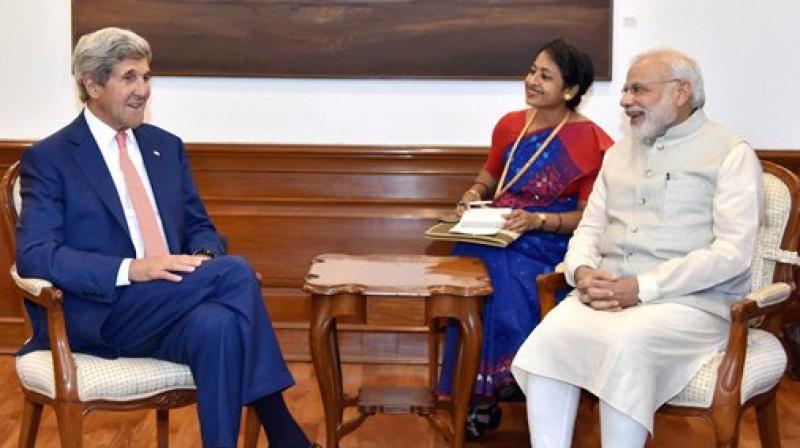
(36, 290)
(547, 286)
(44, 294)
(766, 301)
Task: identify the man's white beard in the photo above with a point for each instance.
(657, 120)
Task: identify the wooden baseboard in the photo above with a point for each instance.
(12, 334)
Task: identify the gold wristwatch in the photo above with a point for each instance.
(542, 220)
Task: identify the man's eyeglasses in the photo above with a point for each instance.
(641, 88)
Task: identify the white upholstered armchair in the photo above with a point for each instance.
(748, 371)
(75, 384)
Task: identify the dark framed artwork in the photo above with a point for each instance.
(353, 38)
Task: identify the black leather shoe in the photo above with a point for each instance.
(481, 419)
(510, 392)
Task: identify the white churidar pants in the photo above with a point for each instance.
(634, 360)
(552, 408)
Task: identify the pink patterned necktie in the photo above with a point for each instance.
(145, 215)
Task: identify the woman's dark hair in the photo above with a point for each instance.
(575, 66)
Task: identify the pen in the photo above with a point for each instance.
(472, 204)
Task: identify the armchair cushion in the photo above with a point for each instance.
(120, 379)
(764, 365)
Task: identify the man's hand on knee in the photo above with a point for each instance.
(623, 293)
(593, 284)
(626, 291)
(163, 267)
(604, 291)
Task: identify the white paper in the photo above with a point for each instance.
(481, 221)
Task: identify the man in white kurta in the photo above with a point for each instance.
(663, 249)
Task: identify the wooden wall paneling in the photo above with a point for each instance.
(280, 248)
(280, 205)
(357, 345)
(356, 200)
(12, 323)
(789, 158)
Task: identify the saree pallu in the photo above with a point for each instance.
(511, 313)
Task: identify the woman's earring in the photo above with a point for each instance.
(567, 97)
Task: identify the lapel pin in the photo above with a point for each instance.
(156, 153)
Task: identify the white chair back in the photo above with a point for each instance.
(777, 207)
(17, 196)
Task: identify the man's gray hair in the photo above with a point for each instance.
(681, 67)
(96, 54)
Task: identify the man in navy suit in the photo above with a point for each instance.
(112, 216)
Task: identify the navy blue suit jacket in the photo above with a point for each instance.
(72, 230)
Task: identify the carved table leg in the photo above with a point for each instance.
(469, 356)
(433, 354)
(336, 371)
(324, 354)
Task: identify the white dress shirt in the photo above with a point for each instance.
(105, 137)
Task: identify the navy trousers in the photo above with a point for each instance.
(215, 322)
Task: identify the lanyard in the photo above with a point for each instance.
(501, 188)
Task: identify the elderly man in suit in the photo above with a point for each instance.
(661, 252)
(111, 214)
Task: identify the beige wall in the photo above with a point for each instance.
(748, 51)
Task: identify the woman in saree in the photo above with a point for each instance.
(542, 164)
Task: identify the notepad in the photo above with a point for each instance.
(478, 226)
(481, 221)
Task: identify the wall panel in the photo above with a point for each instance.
(280, 205)
(12, 322)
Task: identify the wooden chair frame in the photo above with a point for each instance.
(68, 407)
(726, 408)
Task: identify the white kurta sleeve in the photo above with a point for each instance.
(583, 247)
(737, 207)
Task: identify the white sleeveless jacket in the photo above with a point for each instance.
(660, 213)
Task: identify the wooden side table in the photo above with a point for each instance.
(453, 288)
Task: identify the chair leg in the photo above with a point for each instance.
(31, 416)
(162, 428)
(726, 427)
(767, 415)
(252, 427)
(69, 417)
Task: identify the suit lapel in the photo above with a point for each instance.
(90, 161)
(154, 163)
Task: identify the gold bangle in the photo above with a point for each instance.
(558, 227)
(480, 196)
